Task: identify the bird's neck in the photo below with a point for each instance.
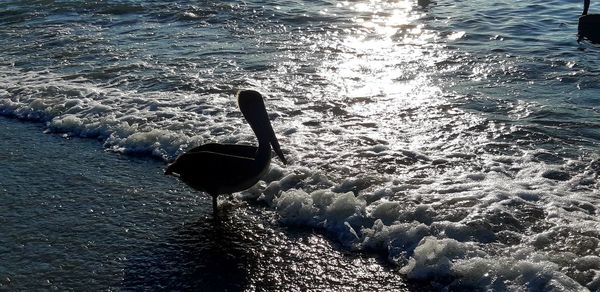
(264, 150)
(586, 6)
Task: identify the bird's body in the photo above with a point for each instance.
(227, 168)
(589, 24)
(220, 168)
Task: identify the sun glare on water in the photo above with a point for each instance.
(384, 60)
(384, 65)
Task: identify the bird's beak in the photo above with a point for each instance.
(277, 149)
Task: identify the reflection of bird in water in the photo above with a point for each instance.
(589, 24)
(227, 168)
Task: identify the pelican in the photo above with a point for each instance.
(589, 24)
(227, 168)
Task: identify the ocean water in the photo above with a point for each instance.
(444, 144)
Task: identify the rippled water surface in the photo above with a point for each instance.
(458, 140)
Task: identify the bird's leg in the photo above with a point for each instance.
(214, 203)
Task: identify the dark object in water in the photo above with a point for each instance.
(423, 3)
(589, 24)
(225, 168)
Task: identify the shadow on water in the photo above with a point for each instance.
(245, 251)
(205, 255)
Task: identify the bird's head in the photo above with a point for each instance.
(252, 106)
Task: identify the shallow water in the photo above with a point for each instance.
(100, 225)
(457, 138)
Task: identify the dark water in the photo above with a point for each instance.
(458, 140)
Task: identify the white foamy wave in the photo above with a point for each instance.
(154, 123)
(498, 229)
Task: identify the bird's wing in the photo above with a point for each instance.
(208, 164)
(215, 172)
(227, 149)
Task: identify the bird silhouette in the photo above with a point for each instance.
(589, 24)
(227, 168)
